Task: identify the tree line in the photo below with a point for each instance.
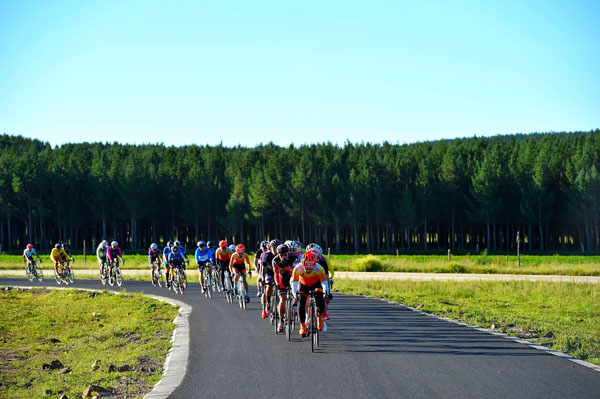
(464, 194)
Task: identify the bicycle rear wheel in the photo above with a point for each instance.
(119, 276)
(57, 277)
(289, 319)
(38, 273)
(29, 272)
(276, 311)
(70, 275)
(314, 331)
(160, 280)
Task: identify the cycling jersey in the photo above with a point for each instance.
(56, 254)
(101, 252)
(113, 253)
(166, 252)
(309, 277)
(238, 263)
(153, 255)
(257, 256)
(283, 268)
(28, 253)
(223, 254)
(323, 263)
(176, 258)
(267, 262)
(202, 256)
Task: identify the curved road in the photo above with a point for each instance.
(373, 349)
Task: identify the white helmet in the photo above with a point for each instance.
(314, 247)
(154, 247)
(114, 244)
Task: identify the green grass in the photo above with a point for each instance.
(487, 264)
(521, 308)
(118, 329)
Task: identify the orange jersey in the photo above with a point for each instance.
(236, 260)
(222, 254)
(309, 277)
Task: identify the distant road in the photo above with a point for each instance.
(381, 276)
(373, 349)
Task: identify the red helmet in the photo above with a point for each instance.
(222, 243)
(240, 249)
(310, 259)
(29, 246)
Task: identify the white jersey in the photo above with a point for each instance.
(28, 253)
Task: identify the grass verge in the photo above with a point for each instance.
(88, 333)
(562, 316)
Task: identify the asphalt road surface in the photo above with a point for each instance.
(372, 349)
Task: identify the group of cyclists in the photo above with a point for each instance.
(283, 269)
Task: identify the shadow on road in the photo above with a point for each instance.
(359, 325)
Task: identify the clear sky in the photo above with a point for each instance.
(246, 72)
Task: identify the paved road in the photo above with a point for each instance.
(373, 349)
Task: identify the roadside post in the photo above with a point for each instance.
(518, 249)
(449, 255)
(84, 254)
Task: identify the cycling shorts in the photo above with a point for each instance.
(203, 263)
(285, 280)
(152, 260)
(304, 290)
(178, 265)
(269, 280)
(222, 264)
(239, 269)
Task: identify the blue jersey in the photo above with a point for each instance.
(176, 258)
(203, 256)
(166, 253)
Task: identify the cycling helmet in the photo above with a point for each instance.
(170, 244)
(240, 248)
(177, 243)
(210, 244)
(154, 247)
(274, 244)
(65, 245)
(232, 247)
(114, 244)
(29, 246)
(314, 247)
(263, 245)
(201, 244)
(105, 244)
(299, 245)
(283, 249)
(222, 243)
(175, 248)
(57, 245)
(309, 260)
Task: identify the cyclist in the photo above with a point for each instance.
(153, 255)
(213, 250)
(56, 255)
(67, 251)
(166, 252)
(262, 248)
(176, 258)
(268, 276)
(114, 252)
(283, 266)
(203, 256)
(237, 264)
(309, 276)
(28, 254)
(101, 253)
(222, 255)
(323, 262)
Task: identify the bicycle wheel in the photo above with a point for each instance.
(57, 277)
(111, 278)
(175, 283)
(160, 280)
(314, 331)
(29, 272)
(69, 274)
(119, 276)
(276, 311)
(289, 315)
(38, 273)
(273, 305)
(181, 283)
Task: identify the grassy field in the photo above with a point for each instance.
(87, 333)
(487, 264)
(532, 310)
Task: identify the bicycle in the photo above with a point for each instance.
(312, 327)
(241, 291)
(217, 286)
(117, 275)
(290, 317)
(179, 279)
(104, 272)
(207, 286)
(157, 275)
(64, 273)
(228, 287)
(273, 315)
(34, 272)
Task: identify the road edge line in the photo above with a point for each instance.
(173, 374)
(498, 333)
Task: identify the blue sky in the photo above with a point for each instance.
(183, 72)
